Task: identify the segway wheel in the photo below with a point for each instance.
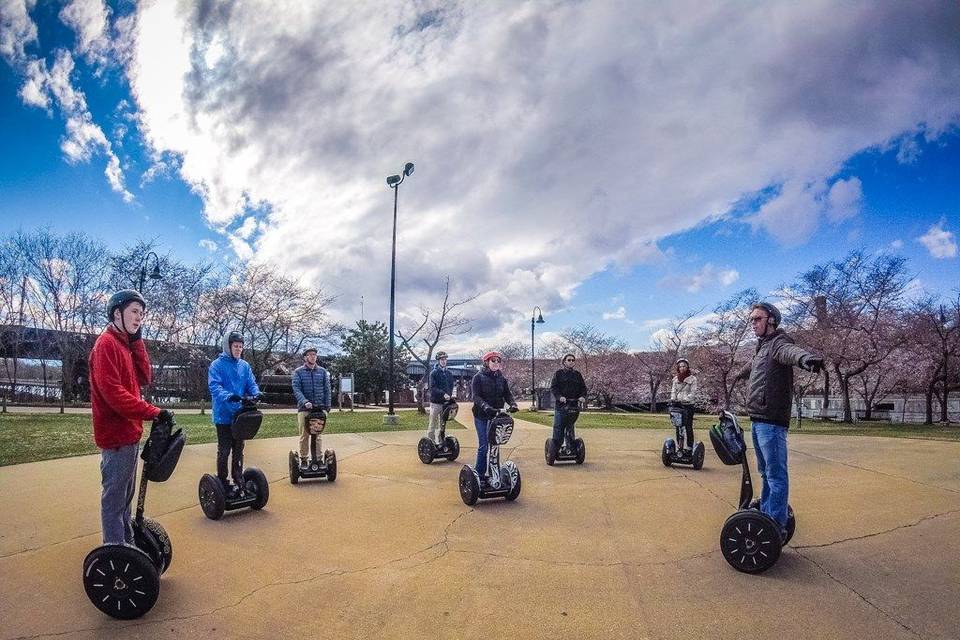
(581, 450)
(294, 463)
(750, 541)
(514, 474)
(331, 459)
(550, 451)
(212, 499)
(791, 524)
(469, 486)
(426, 450)
(666, 454)
(255, 481)
(120, 580)
(162, 541)
(454, 446)
(698, 453)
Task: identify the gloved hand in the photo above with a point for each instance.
(234, 398)
(308, 405)
(164, 416)
(561, 399)
(513, 408)
(812, 363)
(133, 337)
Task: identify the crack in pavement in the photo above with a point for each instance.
(868, 469)
(442, 542)
(878, 533)
(843, 584)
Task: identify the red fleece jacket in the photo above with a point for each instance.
(117, 369)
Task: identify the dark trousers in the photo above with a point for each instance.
(226, 444)
(559, 424)
(688, 425)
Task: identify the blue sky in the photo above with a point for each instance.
(638, 184)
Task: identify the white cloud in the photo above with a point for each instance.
(707, 276)
(17, 30)
(844, 199)
(664, 115)
(896, 245)
(90, 20)
(619, 314)
(209, 245)
(940, 242)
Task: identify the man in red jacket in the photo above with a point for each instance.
(119, 364)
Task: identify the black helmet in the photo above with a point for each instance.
(121, 299)
(441, 354)
(234, 336)
(771, 310)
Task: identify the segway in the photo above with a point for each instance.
(572, 447)
(324, 466)
(500, 481)
(122, 580)
(251, 489)
(750, 539)
(449, 447)
(675, 451)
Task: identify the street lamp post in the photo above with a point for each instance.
(394, 183)
(538, 314)
(154, 275)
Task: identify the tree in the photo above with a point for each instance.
(934, 343)
(850, 311)
(366, 355)
(434, 327)
(723, 346)
(656, 366)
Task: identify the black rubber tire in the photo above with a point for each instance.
(121, 581)
(550, 451)
(454, 446)
(665, 453)
(426, 450)
(163, 543)
(294, 464)
(255, 480)
(750, 541)
(331, 459)
(212, 499)
(698, 454)
(469, 487)
(515, 488)
(791, 524)
(581, 450)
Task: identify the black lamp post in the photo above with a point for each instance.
(154, 275)
(535, 319)
(394, 183)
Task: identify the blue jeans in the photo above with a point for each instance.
(481, 425)
(118, 475)
(558, 416)
(770, 444)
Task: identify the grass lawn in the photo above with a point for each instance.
(661, 421)
(28, 437)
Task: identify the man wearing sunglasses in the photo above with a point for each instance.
(567, 384)
(769, 399)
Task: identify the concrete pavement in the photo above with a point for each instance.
(618, 548)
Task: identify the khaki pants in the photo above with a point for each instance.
(433, 427)
(305, 436)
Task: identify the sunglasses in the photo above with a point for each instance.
(495, 360)
(569, 360)
(756, 319)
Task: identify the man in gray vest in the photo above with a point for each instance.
(311, 386)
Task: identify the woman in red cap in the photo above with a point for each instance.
(490, 392)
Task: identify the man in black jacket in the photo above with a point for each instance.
(441, 388)
(567, 384)
(769, 399)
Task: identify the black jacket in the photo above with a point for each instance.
(569, 384)
(490, 392)
(770, 390)
(441, 382)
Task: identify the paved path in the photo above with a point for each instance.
(618, 548)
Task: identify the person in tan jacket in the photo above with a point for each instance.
(684, 393)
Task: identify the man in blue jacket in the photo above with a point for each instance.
(311, 386)
(230, 379)
(441, 390)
